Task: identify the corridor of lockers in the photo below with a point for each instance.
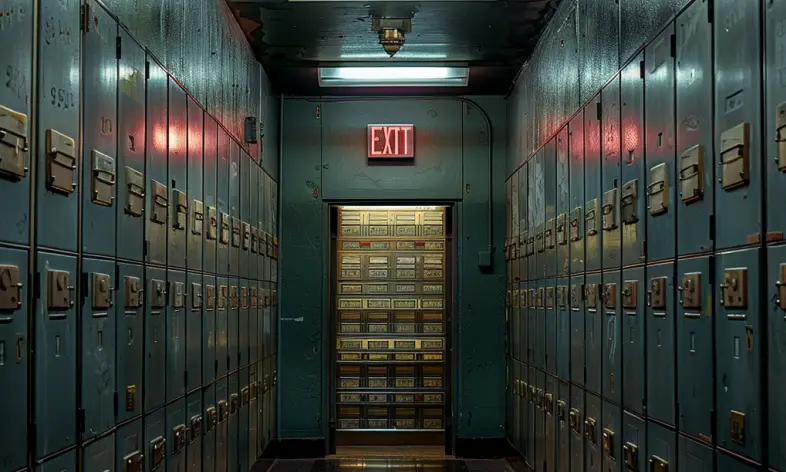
(506, 235)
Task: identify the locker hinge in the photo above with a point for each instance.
(85, 285)
(84, 18)
(319, 109)
(117, 278)
(37, 286)
(599, 110)
(80, 420)
(228, 362)
(712, 227)
(215, 367)
(115, 403)
(146, 249)
(710, 10)
(673, 45)
(185, 378)
(119, 48)
(31, 433)
(147, 70)
(641, 69)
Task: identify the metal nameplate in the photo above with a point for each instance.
(197, 216)
(562, 296)
(159, 202)
(404, 274)
(589, 430)
(13, 144)
(135, 192)
(691, 174)
(130, 397)
(737, 427)
(103, 178)
(734, 157)
(575, 296)
(234, 300)
(234, 403)
(431, 303)
(10, 288)
(102, 291)
(629, 202)
(223, 295)
(59, 290)
(658, 189)
(212, 223)
(574, 419)
(405, 303)
(549, 301)
(60, 163)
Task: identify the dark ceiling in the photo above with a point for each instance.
(492, 37)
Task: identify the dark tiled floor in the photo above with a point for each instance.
(382, 464)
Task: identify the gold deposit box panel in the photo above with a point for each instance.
(391, 329)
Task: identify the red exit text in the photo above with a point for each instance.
(391, 141)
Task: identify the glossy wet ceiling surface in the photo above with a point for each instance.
(493, 37)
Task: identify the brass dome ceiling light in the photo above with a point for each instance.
(391, 33)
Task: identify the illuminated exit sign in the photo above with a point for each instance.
(391, 141)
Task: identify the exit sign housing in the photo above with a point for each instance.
(391, 141)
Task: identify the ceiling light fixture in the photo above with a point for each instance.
(393, 76)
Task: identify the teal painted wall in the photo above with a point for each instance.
(323, 160)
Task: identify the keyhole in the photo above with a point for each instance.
(631, 334)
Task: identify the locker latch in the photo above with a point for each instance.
(158, 294)
(10, 288)
(253, 389)
(59, 290)
(246, 236)
(590, 219)
(690, 291)
(233, 298)
(246, 394)
(244, 297)
(549, 233)
(589, 430)
(522, 246)
(235, 232)
(575, 297)
(734, 289)
(575, 420)
(630, 294)
(540, 299)
(212, 419)
(159, 201)
(539, 398)
(254, 240)
(562, 237)
(13, 144)
(178, 297)
(562, 297)
(658, 465)
(197, 216)
(561, 411)
(692, 174)
(224, 229)
(195, 431)
(266, 382)
(254, 298)
(508, 298)
(549, 298)
(212, 223)
(548, 403)
(610, 296)
(780, 284)
(196, 295)
(223, 411)
(780, 138)
(132, 462)
(610, 210)
(539, 239)
(61, 162)
(234, 399)
(530, 248)
(102, 291)
(157, 452)
(734, 157)
(658, 293)
(575, 230)
(629, 452)
(130, 397)
(629, 202)
(591, 296)
(506, 249)
(181, 209)
(211, 297)
(135, 192)
(737, 427)
(274, 298)
(608, 443)
(658, 189)
(179, 434)
(133, 293)
(103, 177)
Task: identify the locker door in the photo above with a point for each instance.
(209, 331)
(550, 424)
(196, 205)
(243, 323)
(661, 446)
(592, 434)
(130, 340)
(549, 160)
(15, 122)
(194, 434)
(563, 328)
(212, 220)
(660, 343)
(99, 169)
(234, 208)
(130, 446)
(58, 126)
(632, 202)
(131, 144)
(245, 214)
(157, 186)
(524, 230)
(233, 326)
(194, 319)
(222, 197)
(593, 328)
(576, 217)
(176, 335)
(592, 184)
(209, 426)
(576, 420)
(694, 456)
(562, 228)
(563, 427)
(612, 449)
(634, 443)
(611, 334)
(55, 367)
(99, 456)
(577, 338)
(632, 339)
(177, 436)
(222, 429)
(155, 440)
(177, 176)
(551, 326)
(610, 175)
(155, 339)
(98, 346)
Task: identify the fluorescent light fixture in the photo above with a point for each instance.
(393, 76)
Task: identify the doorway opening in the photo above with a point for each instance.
(390, 293)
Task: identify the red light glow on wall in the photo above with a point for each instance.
(391, 141)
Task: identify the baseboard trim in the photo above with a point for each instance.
(312, 448)
(485, 448)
